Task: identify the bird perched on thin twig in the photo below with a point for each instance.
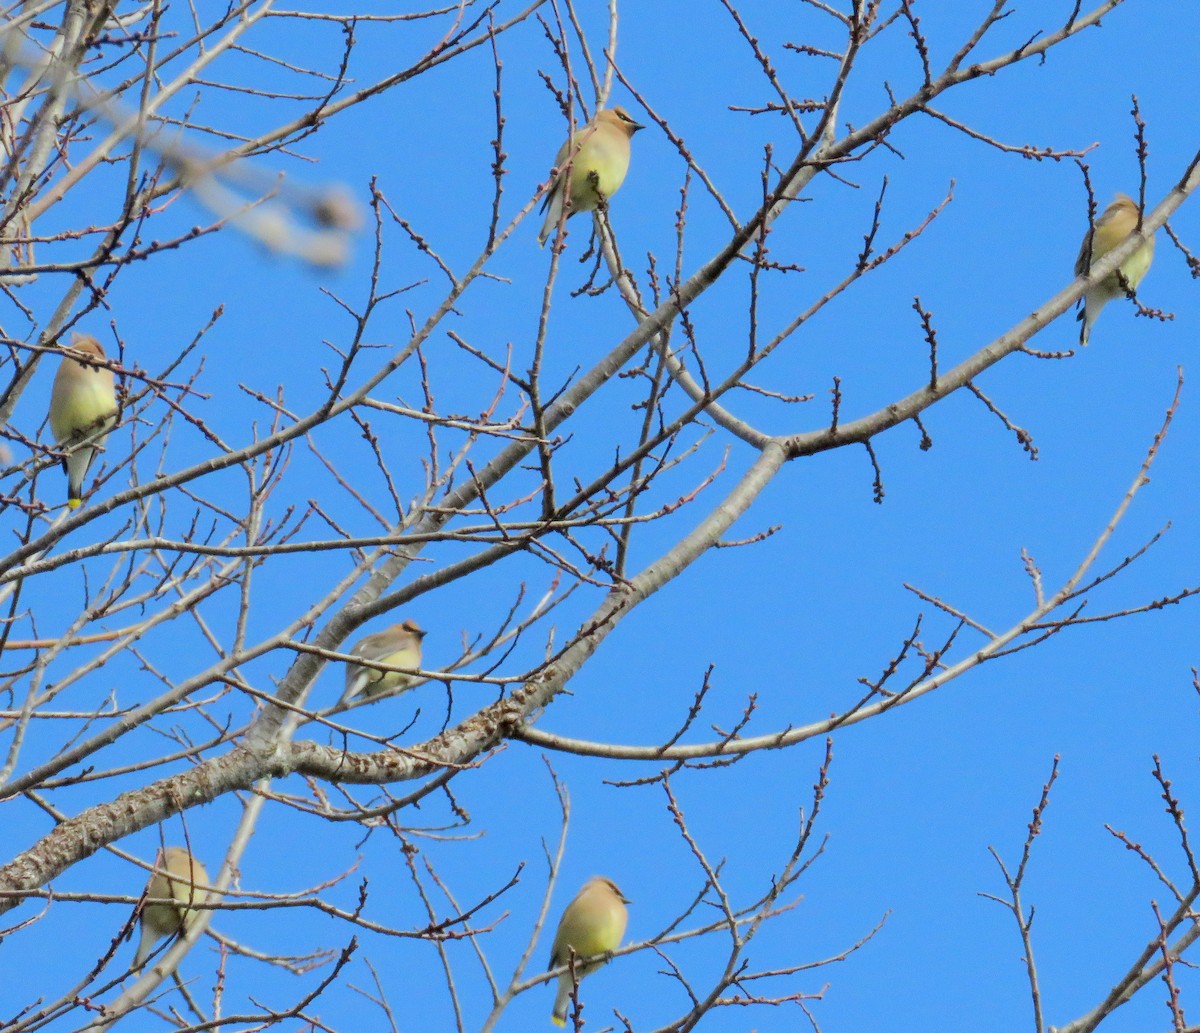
(396, 646)
(1119, 220)
(598, 156)
(179, 877)
(591, 926)
(83, 409)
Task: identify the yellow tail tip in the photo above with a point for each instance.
(74, 503)
(557, 1021)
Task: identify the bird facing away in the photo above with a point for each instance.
(83, 408)
(598, 155)
(397, 646)
(592, 924)
(179, 876)
(1119, 220)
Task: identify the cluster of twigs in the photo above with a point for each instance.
(100, 97)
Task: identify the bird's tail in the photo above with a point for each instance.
(77, 464)
(561, 1000)
(553, 209)
(145, 943)
(1088, 311)
(356, 686)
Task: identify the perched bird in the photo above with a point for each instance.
(83, 408)
(397, 646)
(599, 158)
(592, 925)
(1118, 221)
(180, 877)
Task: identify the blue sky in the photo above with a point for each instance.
(917, 796)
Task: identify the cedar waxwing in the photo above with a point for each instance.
(1118, 221)
(599, 158)
(179, 876)
(398, 646)
(592, 924)
(83, 407)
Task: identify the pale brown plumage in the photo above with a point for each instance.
(591, 926)
(178, 877)
(598, 156)
(397, 646)
(83, 409)
(1119, 220)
